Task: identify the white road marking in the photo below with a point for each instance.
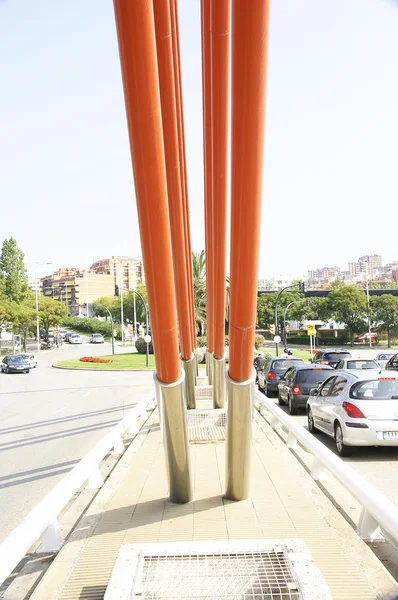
(85, 395)
(59, 410)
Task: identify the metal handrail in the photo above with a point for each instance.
(378, 512)
(42, 521)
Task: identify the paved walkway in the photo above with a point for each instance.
(132, 507)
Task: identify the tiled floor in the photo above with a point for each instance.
(137, 510)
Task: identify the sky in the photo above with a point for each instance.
(330, 170)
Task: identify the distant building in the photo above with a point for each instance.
(275, 283)
(127, 270)
(370, 263)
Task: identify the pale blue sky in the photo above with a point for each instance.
(330, 177)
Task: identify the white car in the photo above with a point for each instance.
(383, 358)
(75, 339)
(356, 409)
(357, 364)
(97, 338)
(32, 360)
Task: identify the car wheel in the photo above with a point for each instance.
(280, 401)
(311, 425)
(342, 449)
(292, 408)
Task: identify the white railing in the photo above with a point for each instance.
(42, 521)
(378, 512)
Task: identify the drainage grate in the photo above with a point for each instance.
(244, 570)
(259, 576)
(207, 425)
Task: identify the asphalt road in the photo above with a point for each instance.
(51, 418)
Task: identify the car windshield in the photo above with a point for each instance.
(17, 359)
(283, 365)
(335, 356)
(75, 335)
(362, 364)
(97, 335)
(377, 389)
(384, 356)
(313, 375)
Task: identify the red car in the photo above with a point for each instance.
(365, 337)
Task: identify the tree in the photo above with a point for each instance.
(51, 312)
(266, 307)
(385, 313)
(348, 305)
(13, 275)
(101, 304)
(199, 290)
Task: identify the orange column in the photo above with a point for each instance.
(250, 25)
(178, 79)
(208, 169)
(174, 178)
(137, 47)
(220, 29)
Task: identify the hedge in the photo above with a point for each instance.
(92, 326)
(201, 341)
(341, 340)
(140, 344)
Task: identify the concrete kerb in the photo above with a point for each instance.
(55, 366)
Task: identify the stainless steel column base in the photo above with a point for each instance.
(218, 382)
(189, 367)
(175, 439)
(209, 362)
(196, 362)
(240, 403)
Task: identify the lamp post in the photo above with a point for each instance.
(37, 304)
(112, 326)
(284, 316)
(301, 286)
(147, 337)
(369, 323)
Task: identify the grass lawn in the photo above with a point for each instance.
(119, 361)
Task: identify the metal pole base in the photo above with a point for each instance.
(189, 367)
(175, 439)
(238, 437)
(218, 382)
(209, 362)
(196, 362)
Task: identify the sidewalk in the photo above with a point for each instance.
(132, 507)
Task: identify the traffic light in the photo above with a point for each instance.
(272, 329)
(287, 328)
(302, 287)
(117, 292)
(279, 329)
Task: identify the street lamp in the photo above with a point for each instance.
(37, 304)
(284, 316)
(147, 337)
(369, 323)
(112, 326)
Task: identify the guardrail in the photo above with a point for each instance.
(42, 521)
(377, 513)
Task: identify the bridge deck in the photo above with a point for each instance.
(132, 507)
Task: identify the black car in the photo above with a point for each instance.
(330, 357)
(294, 387)
(392, 364)
(274, 368)
(18, 363)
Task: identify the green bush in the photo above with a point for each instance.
(140, 344)
(92, 326)
(201, 341)
(341, 340)
(259, 341)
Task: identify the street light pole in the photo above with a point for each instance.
(284, 316)
(369, 324)
(146, 320)
(112, 326)
(288, 287)
(37, 304)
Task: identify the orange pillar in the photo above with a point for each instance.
(137, 47)
(250, 24)
(220, 30)
(208, 169)
(181, 129)
(250, 21)
(174, 179)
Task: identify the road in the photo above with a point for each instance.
(51, 418)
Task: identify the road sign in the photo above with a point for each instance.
(310, 330)
(277, 339)
(148, 339)
(272, 329)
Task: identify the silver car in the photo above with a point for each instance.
(75, 339)
(356, 409)
(383, 358)
(32, 360)
(357, 364)
(96, 338)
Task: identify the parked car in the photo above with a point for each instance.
(32, 360)
(75, 339)
(356, 409)
(366, 336)
(356, 364)
(274, 368)
(63, 333)
(96, 338)
(330, 357)
(295, 385)
(392, 363)
(17, 363)
(383, 358)
(67, 335)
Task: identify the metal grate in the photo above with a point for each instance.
(241, 576)
(230, 570)
(207, 425)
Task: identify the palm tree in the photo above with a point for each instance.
(199, 289)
